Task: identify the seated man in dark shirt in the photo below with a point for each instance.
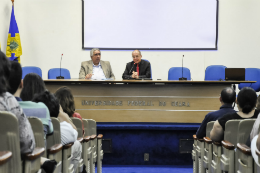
(137, 68)
(246, 103)
(227, 97)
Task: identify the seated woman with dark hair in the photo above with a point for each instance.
(246, 103)
(9, 103)
(32, 84)
(65, 97)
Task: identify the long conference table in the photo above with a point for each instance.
(144, 100)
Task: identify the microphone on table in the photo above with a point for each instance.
(182, 78)
(60, 77)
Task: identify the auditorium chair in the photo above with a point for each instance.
(251, 74)
(244, 160)
(227, 160)
(9, 128)
(86, 150)
(92, 132)
(215, 73)
(67, 167)
(31, 69)
(5, 156)
(195, 155)
(78, 123)
(256, 167)
(206, 155)
(54, 72)
(176, 72)
(201, 147)
(54, 150)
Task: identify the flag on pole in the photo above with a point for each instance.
(14, 48)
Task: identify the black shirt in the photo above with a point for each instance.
(233, 116)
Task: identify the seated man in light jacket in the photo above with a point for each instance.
(95, 68)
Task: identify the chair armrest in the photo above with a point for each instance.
(93, 137)
(201, 140)
(207, 140)
(194, 137)
(37, 152)
(100, 136)
(217, 143)
(228, 145)
(244, 148)
(80, 139)
(5, 156)
(86, 138)
(257, 153)
(67, 146)
(54, 149)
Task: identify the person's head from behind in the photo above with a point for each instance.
(15, 79)
(50, 101)
(228, 96)
(4, 73)
(32, 84)
(65, 97)
(246, 100)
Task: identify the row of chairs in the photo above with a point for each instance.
(52, 73)
(231, 155)
(10, 158)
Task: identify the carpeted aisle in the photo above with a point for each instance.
(146, 169)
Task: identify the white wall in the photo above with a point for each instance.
(49, 28)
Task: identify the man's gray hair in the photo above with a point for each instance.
(93, 50)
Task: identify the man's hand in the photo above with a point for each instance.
(88, 76)
(135, 75)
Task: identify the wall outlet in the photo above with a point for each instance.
(146, 156)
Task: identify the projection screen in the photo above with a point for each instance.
(150, 24)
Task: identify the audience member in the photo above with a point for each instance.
(246, 103)
(33, 84)
(9, 103)
(31, 109)
(68, 132)
(255, 129)
(65, 97)
(227, 97)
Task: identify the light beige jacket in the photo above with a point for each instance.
(87, 68)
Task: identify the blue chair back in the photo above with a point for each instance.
(31, 69)
(252, 74)
(176, 72)
(215, 72)
(54, 72)
(150, 66)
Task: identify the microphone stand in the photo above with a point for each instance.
(182, 78)
(60, 77)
